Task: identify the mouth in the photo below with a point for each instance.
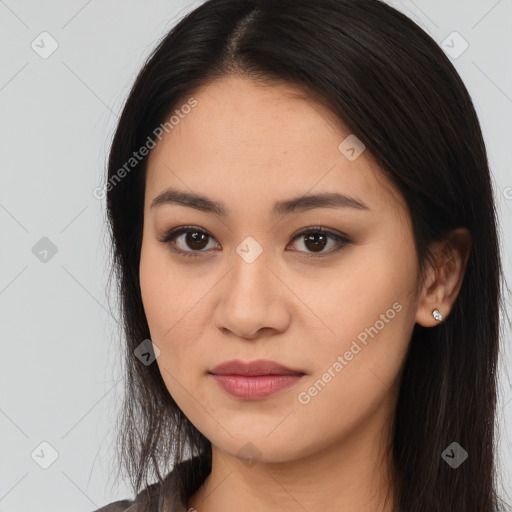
(254, 380)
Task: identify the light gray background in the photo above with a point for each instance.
(60, 358)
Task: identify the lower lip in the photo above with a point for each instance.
(255, 387)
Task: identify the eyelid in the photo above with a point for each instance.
(339, 237)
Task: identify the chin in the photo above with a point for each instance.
(252, 449)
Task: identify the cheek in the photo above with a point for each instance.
(356, 371)
(370, 311)
(154, 291)
(174, 312)
(373, 286)
(166, 292)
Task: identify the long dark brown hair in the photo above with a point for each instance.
(394, 88)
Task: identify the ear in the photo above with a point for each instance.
(444, 277)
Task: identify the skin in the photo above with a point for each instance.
(248, 146)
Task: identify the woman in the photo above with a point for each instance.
(305, 240)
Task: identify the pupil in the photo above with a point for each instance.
(192, 242)
(314, 237)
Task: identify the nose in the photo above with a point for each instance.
(253, 301)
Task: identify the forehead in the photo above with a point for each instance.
(261, 141)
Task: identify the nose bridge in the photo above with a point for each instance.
(251, 294)
(250, 277)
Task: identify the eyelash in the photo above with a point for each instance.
(173, 233)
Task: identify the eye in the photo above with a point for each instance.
(190, 236)
(315, 239)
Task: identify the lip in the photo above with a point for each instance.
(253, 368)
(254, 380)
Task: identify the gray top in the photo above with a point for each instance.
(166, 496)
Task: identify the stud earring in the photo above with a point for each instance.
(437, 315)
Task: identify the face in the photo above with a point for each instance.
(325, 289)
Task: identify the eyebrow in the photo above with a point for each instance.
(300, 203)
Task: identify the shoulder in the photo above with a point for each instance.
(147, 499)
(171, 494)
(119, 506)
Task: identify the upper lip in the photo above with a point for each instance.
(253, 368)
